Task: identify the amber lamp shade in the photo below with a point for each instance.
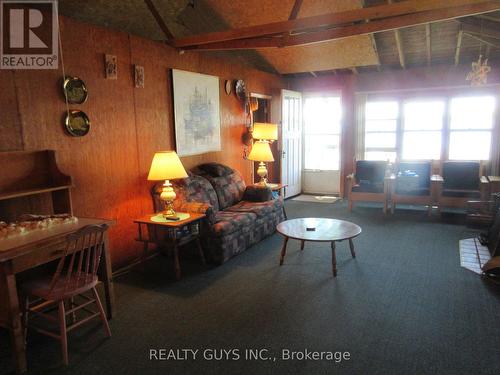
(166, 165)
(265, 131)
(261, 152)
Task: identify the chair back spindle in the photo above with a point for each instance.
(81, 259)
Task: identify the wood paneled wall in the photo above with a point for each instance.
(109, 166)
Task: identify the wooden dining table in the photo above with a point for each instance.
(23, 252)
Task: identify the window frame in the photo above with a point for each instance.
(446, 126)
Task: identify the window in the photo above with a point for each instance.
(422, 130)
(381, 123)
(471, 124)
(322, 119)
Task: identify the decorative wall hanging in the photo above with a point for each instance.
(111, 66)
(240, 89)
(77, 123)
(139, 76)
(75, 90)
(196, 113)
(479, 74)
(228, 86)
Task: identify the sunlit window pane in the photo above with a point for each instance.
(380, 125)
(421, 145)
(322, 115)
(423, 115)
(472, 112)
(380, 140)
(381, 110)
(470, 145)
(322, 152)
(380, 155)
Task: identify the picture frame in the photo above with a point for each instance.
(196, 112)
(111, 66)
(139, 76)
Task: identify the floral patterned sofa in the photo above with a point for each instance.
(238, 216)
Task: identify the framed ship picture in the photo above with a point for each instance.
(196, 113)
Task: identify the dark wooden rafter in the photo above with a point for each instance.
(329, 20)
(399, 45)
(490, 42)
(159, 20)
(374, 42)
(459, 46)
(293, 15)
(377, 25)
(479, 27)
(428, 43)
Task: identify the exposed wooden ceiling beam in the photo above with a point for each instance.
(399, 45)
(428, 42)
(474, 27)
(374, 43)
(293, 15)
(326, 20)
(159, 20)
(490, 42)
(489, 18)
(387, 24)
(459, 46)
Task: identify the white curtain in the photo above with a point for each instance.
(360, 125)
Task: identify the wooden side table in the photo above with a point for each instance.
(280, 188)
(170, 233)
(494, 182)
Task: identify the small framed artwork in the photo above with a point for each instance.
(196, 113)
(139, 76)
(111, 66)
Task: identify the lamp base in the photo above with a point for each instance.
(262, 172)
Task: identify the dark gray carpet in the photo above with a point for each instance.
(404, 305)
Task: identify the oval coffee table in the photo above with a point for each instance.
(325, 230)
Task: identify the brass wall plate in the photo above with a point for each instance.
(77, 123)
(75, 90)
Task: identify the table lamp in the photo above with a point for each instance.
(263, 131)
(167, 166)
(261, 152)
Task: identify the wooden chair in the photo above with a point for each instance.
(412, 190)
(75, 275)
(368, 183)
(460, 182)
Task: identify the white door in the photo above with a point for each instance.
(322, 128)
(292, 142)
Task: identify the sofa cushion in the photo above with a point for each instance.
(368, 188)
(195, 189)
(227, 222)
(229, 189)
(261, 209)
(215, 169)
(461, 175)
(370, 172)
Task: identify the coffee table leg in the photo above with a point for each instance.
(283, 251)
(351, 245)
(302, 245)
(334, 260)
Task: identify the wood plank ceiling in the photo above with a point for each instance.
(457, 41)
